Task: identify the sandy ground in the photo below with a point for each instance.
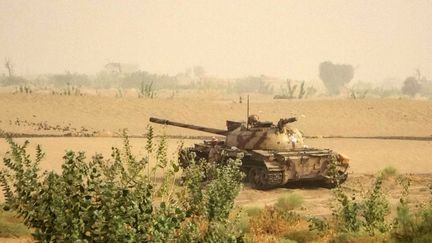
(104, 116)
(368, 156)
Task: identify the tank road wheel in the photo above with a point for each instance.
(258, 178)
(255, 177)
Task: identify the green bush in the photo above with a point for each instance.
(289, 201)
(318, 224)
(252, 211)
(409, 226)
(360, 215)
(347, 214)
(117, 199)
(413, 226)
(389, 171)
(375, 208)
(364, 219)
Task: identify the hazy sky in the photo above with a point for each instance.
(381, 38)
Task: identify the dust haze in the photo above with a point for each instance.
(293, 87)
(382, 40)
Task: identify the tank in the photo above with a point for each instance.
(272, 155)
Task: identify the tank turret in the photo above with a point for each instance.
(257, 135)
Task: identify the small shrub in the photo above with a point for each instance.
(220, 232)
(409, 226)
(69, 90)
(23, 89)
(318, 224)
(146, 90)
(222, 191)
(273, 220)
(243, 221)
(289, 201)
(375, 208)
(356, 215)
(347, 214)
(389, 171)
(252, 211)
(117, 199)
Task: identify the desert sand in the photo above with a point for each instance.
(320, 117)
(72, 118)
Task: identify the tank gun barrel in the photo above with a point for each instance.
(282, 122)
(190, 126)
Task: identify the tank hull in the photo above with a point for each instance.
(269, 168)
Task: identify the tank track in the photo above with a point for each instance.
(257, 175)
(261, 178)
(275, 178)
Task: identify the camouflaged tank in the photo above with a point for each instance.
(272, 154)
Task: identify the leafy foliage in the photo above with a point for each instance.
(367, 215)
(118, 199)
(209, 204)
(356, 215)
(347, 215)
(411, 226)
(375, 208)
(289, 201)
(318, 224)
